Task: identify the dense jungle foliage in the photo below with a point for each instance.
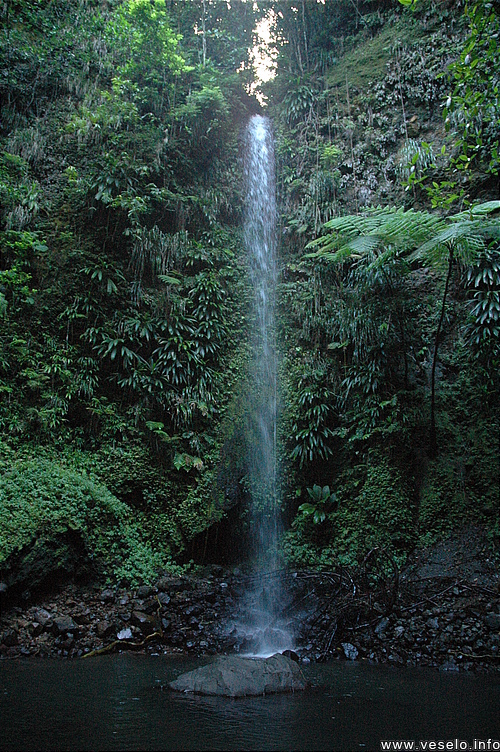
(125, 302)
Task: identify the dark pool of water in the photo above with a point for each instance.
(116, 703)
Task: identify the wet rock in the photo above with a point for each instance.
(195, 611)
(35, 629)
(107, 596)
(125, 634)
(382, 626)
(149, 606)
(64, 624)
(104, 628)
(143, 621)
(176, 638)
(82, 618)
(449, 665)
(492, 621)
(9, 638)
(350, 651)
(395, 658)
(43, 617)
(171, 584)
(165, 584)
(144, 591)
(233, 676)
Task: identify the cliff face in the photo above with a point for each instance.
(381, 125)
(351, 134)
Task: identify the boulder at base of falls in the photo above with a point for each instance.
(234, 676)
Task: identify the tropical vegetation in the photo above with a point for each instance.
(125, 295)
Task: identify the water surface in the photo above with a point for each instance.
(116, 703)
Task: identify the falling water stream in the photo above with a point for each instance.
(260, 242)
(263, 604)
(115, 702)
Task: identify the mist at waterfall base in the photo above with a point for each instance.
(263, 629)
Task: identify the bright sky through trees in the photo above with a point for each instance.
(264, 54)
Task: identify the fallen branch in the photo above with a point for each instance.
(123, 643)
(474, 656)
(481, 589)
(457, 583)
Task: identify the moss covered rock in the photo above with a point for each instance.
(54, 521)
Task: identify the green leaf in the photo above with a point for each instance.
(307, 508)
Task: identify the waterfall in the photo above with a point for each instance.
(260, 243)
(263, 624)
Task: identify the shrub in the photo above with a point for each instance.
(42, 500)
(376, 512)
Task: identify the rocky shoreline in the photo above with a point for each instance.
(441, 611)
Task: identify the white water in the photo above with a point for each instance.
(263, 625)
(260, 242)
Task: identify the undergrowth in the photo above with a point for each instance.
(41, 499)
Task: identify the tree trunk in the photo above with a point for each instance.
(432, 435)
(204, 34)
(304, 31)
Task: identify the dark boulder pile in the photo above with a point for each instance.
(442, 610)
(177, 614)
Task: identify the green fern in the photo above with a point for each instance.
(382, 230)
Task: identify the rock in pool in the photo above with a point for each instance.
(234, 676)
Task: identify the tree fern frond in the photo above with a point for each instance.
(339, 257)
(327, 243)
(384, 258)
(412, 228)
(360, 224)
(379, 228)
(466, 237)
(391, 230)
(363, 244)
(480, 210)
